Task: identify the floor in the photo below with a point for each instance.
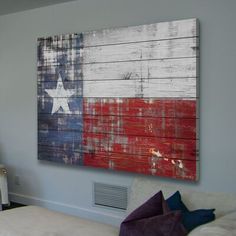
(11, 206)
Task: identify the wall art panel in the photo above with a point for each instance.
(122, 99)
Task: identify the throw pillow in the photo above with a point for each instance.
(190, 219)
(153, 218)
(175, 203)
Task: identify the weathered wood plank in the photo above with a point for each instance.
(45, 105)
(144, 88)
(55, 57)
(60, 42)
(60, 122)
(141, 126)
(178, 48)
(60, 154)
(59, 50)
(75, 88)
(65, 139)
(184, 67)
(58, 62)
(50, 72)
(180, 169)
(139, 146)
(60, 146)
(156, 135)
(157, 31)
(140, 107)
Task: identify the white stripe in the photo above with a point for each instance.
(177, 48)
(158, 31)
(185, 67)
(158, 88)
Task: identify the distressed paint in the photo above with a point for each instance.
(128, 99)
(119, 134)
(180, 169)
(60, 100)
(148, 69)
(60, 139)
(75, 86)
(141, 126)
(60, 122)
(66, 154)
(171, 148)
(45, 105)
(171, 108)
(148, 88)
(157, 31)
(175, 48)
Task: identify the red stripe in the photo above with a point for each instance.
(123, 162)
(140, 107)
(139, 146)
(141, 126)
(118, 134)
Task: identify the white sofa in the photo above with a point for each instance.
(37, 221)
(224, 203)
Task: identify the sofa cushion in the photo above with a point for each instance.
(223, 226)
(191, 219)
(144, 187)
(153, 218)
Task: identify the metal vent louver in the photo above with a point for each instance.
(112, 196)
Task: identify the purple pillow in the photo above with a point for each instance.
(153, 218)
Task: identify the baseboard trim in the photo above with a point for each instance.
(102, 217)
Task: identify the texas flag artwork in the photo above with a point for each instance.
(122, 99)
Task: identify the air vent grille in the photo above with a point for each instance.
(112, 196)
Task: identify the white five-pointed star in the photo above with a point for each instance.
(60, 97)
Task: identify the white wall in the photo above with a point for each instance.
(70, 189)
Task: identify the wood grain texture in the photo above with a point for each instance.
(179, 169)
(140, 146)
(137, 107)
(119, 134)
(176, 48)
(135, 99)
(142, 126)
(49, 72)
(60, 122)
(151, 69)
(45, 106)
(76, 86)
(59, 138)
(157, 31)
(143, 88)
(59, 50)
(66, 155)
